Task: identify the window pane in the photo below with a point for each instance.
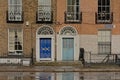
(10, 2)
(15, 10)
(107, 2)
(72, 2)
(77, 2)
(99, 10)
(108, 9)
(15, 41)
(107, 39)
(45, 9)
(77, 9)
(44, 5)
(103, 2)
(104, 41)
(108, 33)
(44, 2)
(103, 7)
(19, 2)
(70, 9)
(99, 2)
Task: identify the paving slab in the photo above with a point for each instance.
(59, 69)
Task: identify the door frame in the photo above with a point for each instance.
(76, 44)
(52, 37)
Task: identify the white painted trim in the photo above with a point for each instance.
(76, 47)
(74, 5)
(38, 59)
(44, 26)
(37, 50)
(68, 26)
(8, 39)
(21, 44)
(60, 44)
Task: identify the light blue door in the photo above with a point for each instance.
(45, 47)
(68, 49)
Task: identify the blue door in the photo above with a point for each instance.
(45, 76)
(45, 47)
(68, 49)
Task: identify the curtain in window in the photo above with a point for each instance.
(104, 6)
(73, 10)
(15, 41)
(104, 13)
(44, 10)
(72, 5)
(15, 10)
(104, 41)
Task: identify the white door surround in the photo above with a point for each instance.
(67, 32)
(45, 32)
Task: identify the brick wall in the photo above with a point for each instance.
(87, 27)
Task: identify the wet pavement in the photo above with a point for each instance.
(59, 75)
(89, 72)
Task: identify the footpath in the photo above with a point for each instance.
(87, 68)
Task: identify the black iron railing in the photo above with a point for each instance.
(44, 16)
(13, 17)
(104, 17)
(102, 58)
(72, 17)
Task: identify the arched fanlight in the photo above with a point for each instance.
(45, 30)
(68, 31)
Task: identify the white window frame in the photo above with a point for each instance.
(102, 15)
(14, 52)
(44, 10)
(104, 41)
(14, 10)
(74, 12)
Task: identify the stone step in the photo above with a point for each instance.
(60, 63)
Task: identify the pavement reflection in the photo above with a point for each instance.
(59, 75)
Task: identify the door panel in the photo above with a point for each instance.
(68, 49)
(45, 47)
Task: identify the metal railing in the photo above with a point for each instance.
(44, 16)
(14, 17)
(104, 17)
(102, 58)
(72, 17)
